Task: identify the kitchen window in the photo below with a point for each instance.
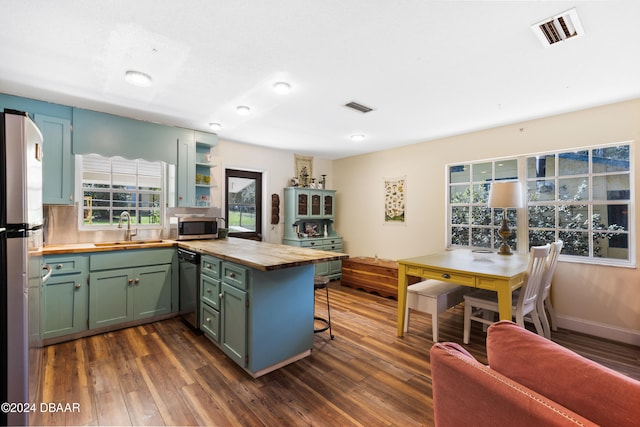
(113, 185)
(582, 197)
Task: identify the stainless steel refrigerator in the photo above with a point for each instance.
(21, 278)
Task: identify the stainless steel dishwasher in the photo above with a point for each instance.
(189, 307)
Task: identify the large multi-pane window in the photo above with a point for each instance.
(113, 185)
(582, 197)
(472, 222)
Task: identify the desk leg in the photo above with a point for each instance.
(504, 303)
(403, 282)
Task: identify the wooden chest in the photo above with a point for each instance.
(372, 275)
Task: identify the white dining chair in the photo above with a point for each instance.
(544, 300)
(482, 305)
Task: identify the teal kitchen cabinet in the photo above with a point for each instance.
(309, 220)
(58, 168)
(58, 165)
(65, 296)
(260, 319)
(130, 285)
(223, 306)
(233, 311)
(194, 169)
(210, 297)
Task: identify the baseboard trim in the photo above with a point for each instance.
(601, 330)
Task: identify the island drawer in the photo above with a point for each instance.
(210, 266)
(235, 275)
(210, 291)
(210, 322)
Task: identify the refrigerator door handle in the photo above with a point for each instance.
(48, 273)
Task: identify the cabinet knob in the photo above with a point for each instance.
(232, 275)
(220, 295)
(70, 197)
(208, 320)
(208, 265)
(137, 280)
(59, 266)
(208, 291)
(78, 285)
(446, 276)
(130, 281)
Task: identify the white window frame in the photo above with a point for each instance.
(114, 223)
(522, 226)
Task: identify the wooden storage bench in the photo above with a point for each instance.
(372, 275)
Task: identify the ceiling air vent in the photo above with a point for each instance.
(559, 28)
(358, 107)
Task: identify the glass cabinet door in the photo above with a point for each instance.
(316, 202)
(303, 204)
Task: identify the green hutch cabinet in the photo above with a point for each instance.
(309, 218)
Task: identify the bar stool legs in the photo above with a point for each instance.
(322, 282)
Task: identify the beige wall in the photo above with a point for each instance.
(277, 167)
(600, 300)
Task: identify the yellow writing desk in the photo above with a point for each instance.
(500, 273)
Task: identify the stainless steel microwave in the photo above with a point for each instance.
(196, 228)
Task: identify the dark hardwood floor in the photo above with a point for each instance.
(163, 374)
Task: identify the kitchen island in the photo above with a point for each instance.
(257, 300)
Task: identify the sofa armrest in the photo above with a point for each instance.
(466, 392)
(598, 393)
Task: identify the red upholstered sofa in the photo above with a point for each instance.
(530, 381)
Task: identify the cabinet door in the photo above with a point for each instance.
(315, 210)
(234, 323)
(328, 205)
(65, 305)
(186, 173)
(58, 163)
(151, 291)
(303, 203)
(110, 301)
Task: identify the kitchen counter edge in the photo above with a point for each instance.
(260, 255)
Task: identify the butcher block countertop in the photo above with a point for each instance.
(73, 248)
(259, 255)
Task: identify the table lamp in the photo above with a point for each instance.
(505, 195)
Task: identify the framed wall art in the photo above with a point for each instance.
(303, 169)
(395, 200)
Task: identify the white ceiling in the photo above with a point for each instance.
(429, 68)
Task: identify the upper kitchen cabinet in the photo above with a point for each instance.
(54, 122)
(58, 170)
(194, 169)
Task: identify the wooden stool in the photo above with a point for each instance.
(433, 296)
(322, 282)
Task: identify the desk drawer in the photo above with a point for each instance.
(444, 275)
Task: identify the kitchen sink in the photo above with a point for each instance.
(127, 243)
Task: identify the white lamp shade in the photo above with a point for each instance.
(505, 195)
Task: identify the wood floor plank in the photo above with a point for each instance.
(165, 374)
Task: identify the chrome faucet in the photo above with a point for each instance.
(127, 234)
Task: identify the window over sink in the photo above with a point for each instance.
(112, 185)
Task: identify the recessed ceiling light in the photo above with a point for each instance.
(357, 137)
(215, 126)
(137, 78)
(282, 88)
(243, 110)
